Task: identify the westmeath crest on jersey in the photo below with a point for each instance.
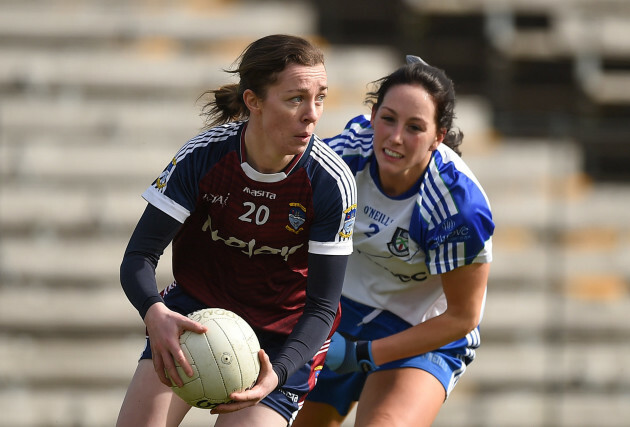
(160, 182)
(348, 223)
(297, 217)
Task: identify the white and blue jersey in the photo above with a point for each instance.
(403, 244)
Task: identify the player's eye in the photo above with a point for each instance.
(388, 119)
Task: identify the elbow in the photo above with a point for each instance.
(472, 323)
(466, 322)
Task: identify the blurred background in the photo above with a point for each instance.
(97, 96)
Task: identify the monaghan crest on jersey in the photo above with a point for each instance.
(399, 245)
(297, 217)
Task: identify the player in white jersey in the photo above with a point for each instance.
(415, 285)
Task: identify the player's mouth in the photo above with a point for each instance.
(304, 137)
(393, 154)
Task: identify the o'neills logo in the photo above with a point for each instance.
(249, 248)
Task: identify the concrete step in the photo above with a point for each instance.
(90, 362)
(521, 164)
(43, 259)
(28, 210)
(537, 314)
(532, 408)
(42, 161)
(192, 22)
(111, 72)
(557, 365)
(64, 122)
(561, 264)
(60, 313)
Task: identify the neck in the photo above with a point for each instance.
(396, 185)
(260, 156)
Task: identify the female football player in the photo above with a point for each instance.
(260, 213)
(415, 284)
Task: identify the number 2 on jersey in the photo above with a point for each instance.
(374, 229)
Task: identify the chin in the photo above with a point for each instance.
(297, 148)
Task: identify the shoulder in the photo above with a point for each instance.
(197, 156)
(356, 135)
(451, 176)
(451, 192)
(455, 224)
(355, 143)
(331, 165)
(212, 138)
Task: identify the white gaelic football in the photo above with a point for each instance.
(224, 359)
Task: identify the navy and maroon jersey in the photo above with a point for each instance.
(245, 238)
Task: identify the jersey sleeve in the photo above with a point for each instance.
(175, 191)
(354, 143)
(335, 202)
(453, 223)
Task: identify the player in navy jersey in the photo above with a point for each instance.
(415, 285)
(260, 213)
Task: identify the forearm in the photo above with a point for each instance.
(137, 277)
(465, 290)
(307, 338)
(325, 280)
(424, 337)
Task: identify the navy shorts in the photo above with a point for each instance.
(287, 399)
(447, 363)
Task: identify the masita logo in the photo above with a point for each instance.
(259, 193)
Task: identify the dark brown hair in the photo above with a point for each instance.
(258, 68)
(439, 87)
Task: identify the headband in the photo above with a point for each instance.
(412, 59)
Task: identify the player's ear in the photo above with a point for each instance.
(439, 137)
(251, 100)
(374, 110)
(441, 134)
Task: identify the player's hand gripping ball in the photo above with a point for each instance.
(224, 359)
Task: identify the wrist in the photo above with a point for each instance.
(364, 356)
